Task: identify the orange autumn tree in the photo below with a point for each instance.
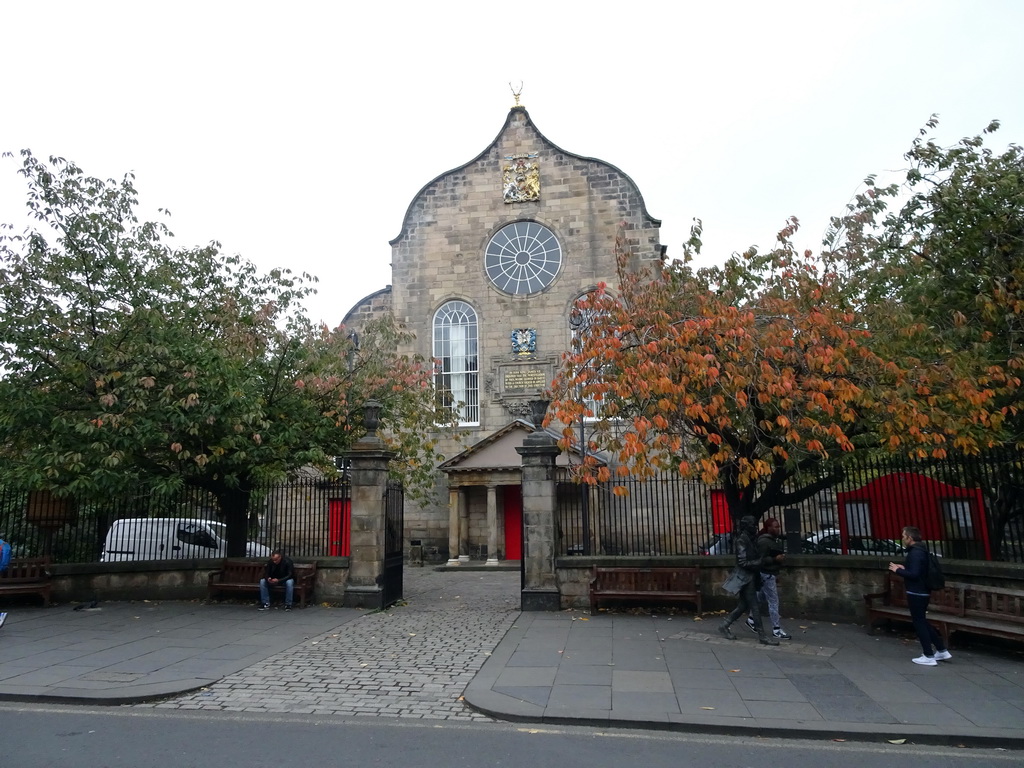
(758, 376)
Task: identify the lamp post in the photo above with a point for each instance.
(585, 488)
(579, 322)
(354, 338)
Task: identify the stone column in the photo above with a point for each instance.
(492, 525)
(453, 525)
(369, 460)
(539, 450)
(464, 528)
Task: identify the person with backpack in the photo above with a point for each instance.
(914, 572)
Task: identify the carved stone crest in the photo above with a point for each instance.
(520, 181)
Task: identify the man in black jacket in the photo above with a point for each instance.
(279, 571)
(915, 580)
(747, 575)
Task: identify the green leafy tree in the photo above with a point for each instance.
(130, 363)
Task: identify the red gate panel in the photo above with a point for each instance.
(339, 525)
(513, 500)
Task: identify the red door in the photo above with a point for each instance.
(513, 498)
(721, 520)
(339, 522)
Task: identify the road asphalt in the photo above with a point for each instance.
(458, 648)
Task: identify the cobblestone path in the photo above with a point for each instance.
(413, 660)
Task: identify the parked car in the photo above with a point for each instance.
(812, 540)
(167, 538)
(829, 542)
(718, 544)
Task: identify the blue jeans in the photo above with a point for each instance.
(770, 593)
(289, 588)
(926, 634)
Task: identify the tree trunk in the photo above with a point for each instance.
(739, 499)
(234, 504)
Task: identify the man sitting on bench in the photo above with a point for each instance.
(279, 572)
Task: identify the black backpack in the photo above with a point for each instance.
(936, 580)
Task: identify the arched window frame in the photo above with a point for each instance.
(580, 321)
(456, 347)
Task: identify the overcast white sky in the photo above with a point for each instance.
(297, 133)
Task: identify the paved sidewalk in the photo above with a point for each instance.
(678, 673)
(133, 651)
(459, 649)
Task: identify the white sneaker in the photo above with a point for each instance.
(943, 655)
(928, 661)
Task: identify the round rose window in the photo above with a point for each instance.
(523, 258)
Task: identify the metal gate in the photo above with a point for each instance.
(394, 527)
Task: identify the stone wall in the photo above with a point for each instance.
(170, 580)
(369, 308)
(812, 587)
(818, 588)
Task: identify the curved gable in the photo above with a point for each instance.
(601, 173)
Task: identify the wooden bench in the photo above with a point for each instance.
(244, 576)
(27, 576)
(973, 608)
(650, 585)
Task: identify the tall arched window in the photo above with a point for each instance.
(455, 345)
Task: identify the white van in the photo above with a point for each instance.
(170, 538)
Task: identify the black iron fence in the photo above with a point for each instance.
(966, 507)
(307, 516)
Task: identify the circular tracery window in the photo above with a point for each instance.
(523, 258)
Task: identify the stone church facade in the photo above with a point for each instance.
(490, 259)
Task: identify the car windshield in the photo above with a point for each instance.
(219, 530)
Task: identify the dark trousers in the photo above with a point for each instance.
(748, 603)
(918, 605)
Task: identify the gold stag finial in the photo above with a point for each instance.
(515, 92)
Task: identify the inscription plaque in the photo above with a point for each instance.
(525, 378)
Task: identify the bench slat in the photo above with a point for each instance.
(27, 576)
(992, 611)
(645, 584)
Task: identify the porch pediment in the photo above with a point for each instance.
(497, 452)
